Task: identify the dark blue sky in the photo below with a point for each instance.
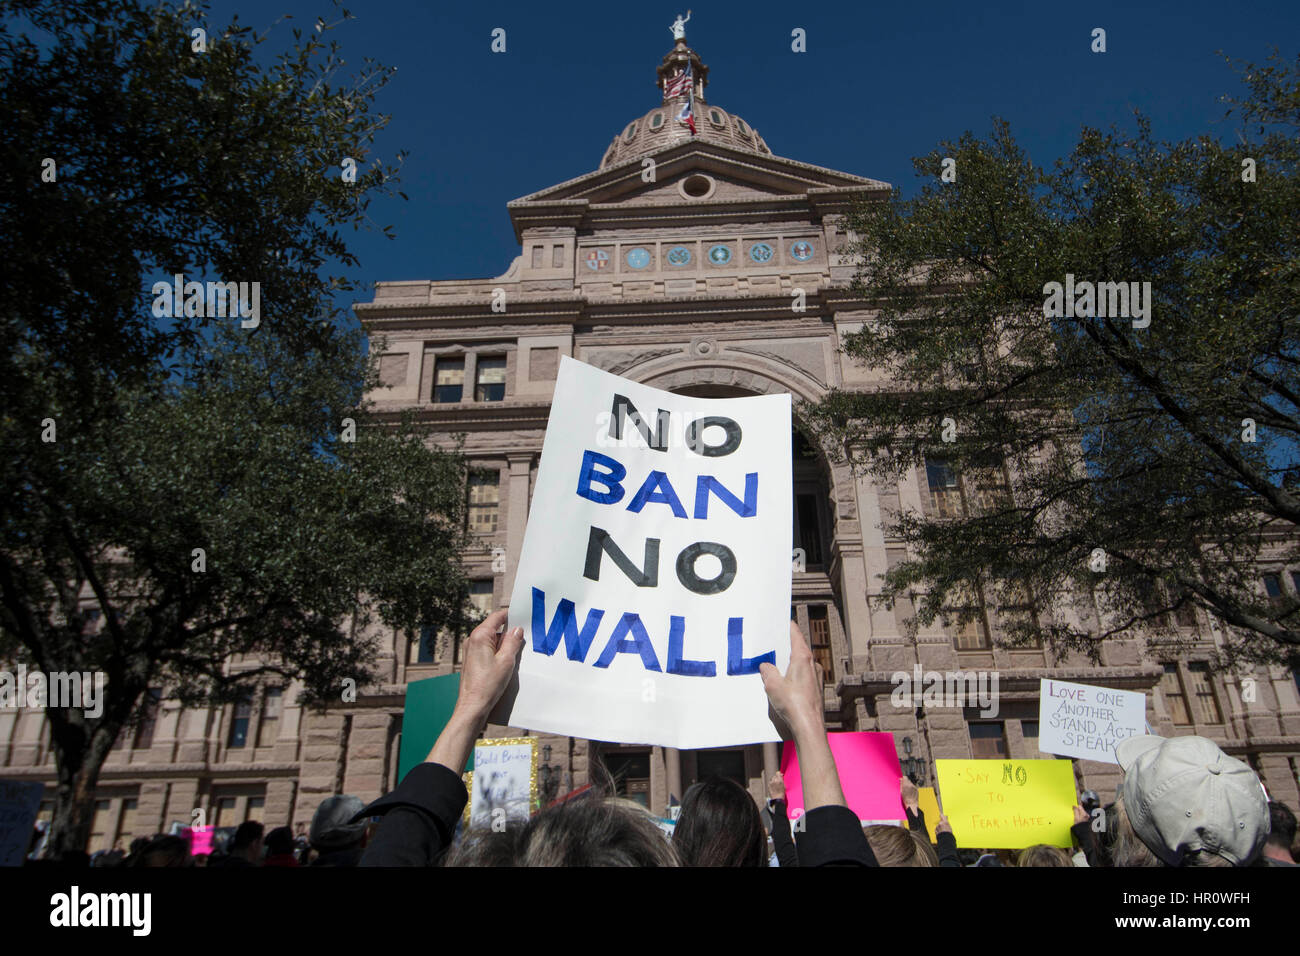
(879, 84)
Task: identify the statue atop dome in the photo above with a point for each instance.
(679, 26)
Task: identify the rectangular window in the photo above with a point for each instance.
(721, 763)
(1185, 614)
(1171, 688)
(484, 499)
(991, 492)
(99, 835)
(557, 257)
(537, 256)
(631, 775)
(819, 635)
(1203, 689)
(490, 379)
(807, 529)
(144, 734)
(1273, 588)
(268, 728)
(966, 619)
(448, 379)
(1029, 730)
(255, 810)
(945, 495)
(241, 714)
(988, 739)
(223, 812)
(1295, 582)
(424, 647)
(126, 824)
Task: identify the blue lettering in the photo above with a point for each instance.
(678, 664)
(656, 490)
(546, 640)
(638, 643)
(610, 478)
(706, 483)
(737, 663)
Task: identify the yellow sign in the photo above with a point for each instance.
(929, 805)
(1008, 804)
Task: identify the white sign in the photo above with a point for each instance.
(1080, 720)
(20, 800)
(505, 781)
(655, 574)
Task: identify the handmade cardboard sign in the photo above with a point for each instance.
(655, 573)
(1008, 804)
(20, 801)
(869, 773)
(503, 784)
(1081, 720)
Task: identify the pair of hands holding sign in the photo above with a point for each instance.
(492, 657)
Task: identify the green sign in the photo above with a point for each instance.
(429, 704)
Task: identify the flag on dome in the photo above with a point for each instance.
(687, 116)
(679, 84)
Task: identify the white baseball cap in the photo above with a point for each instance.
(1184, 794)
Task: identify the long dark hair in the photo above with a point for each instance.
(720, 826)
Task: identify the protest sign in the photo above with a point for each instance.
(1081, 720)
(869, 774)
(20, 801)
(1008, 804)
(655, 573)
(929, 805)
(429, 704)
(503, 786)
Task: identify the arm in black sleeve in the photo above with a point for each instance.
(419, 818)
(786, 854)
(832, 836)
(1093, 851)
(946, 844)
(916, 820)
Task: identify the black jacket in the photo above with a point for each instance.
(945, 843)
(420, 818)
(782, 842)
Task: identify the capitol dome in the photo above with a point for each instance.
(661, 127)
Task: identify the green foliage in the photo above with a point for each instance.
(1112, 436)
(194, 432)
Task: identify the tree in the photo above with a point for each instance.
(1147, 462)
(211, 489)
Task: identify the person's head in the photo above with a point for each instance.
(248, 841)
(279, 841)
(720, 826)
(1190, 803)
(138, 844)
(1281, 831)
(894, 846)
(1043, 855)
(332, 828)
(164, 851)
(594, 831)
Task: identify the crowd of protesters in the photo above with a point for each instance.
(1182, 802)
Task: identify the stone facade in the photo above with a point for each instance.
(677, 263)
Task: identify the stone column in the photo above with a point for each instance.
(673, 769)
(516, 518)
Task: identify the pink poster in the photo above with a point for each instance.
(869, 773)
(200, 841)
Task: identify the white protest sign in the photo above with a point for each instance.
(655, 574)
(20, 800)
(1081, 720)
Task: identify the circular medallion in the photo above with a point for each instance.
(638, 258)
(761, 252)
(597, 259)
(678, 256)
(719, 255)
(803, 251)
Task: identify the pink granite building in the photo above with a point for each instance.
(677, 262)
